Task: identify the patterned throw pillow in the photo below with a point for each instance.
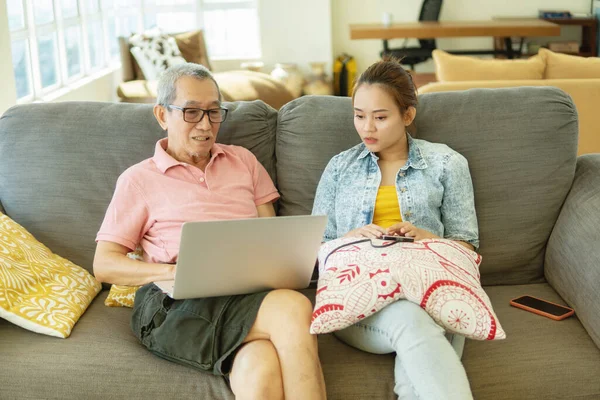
(39, 290)
(154, 52)
(122, 295)
(358, 278)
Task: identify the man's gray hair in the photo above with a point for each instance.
(167, 90)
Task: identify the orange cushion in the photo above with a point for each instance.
(137, 91)
(250, 85)
(192, 47)
(564, 66)
(451, 68)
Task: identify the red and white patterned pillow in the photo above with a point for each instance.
(358, 279)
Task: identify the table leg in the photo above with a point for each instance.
(386, 47)
(510, 54)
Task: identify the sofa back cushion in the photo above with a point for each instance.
(60, 162)
(520, 143)
(310, 130)
(565, 66)
(450, 67)
(584, 93)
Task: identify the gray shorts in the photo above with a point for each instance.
(201, 333)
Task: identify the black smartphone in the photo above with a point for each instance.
(542, 307)
(398, 238)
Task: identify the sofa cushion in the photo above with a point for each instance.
(540, 358)
(193, 47)
(104, 358)
(251, 85)
(522, 156)
(234, 86)
(139, 91)
(521, 147)
(154, 52)
(39, 290)
(572, 255)
(310, 130)
(584, 93)
(565, 66)
(61, 166)
(450, 67)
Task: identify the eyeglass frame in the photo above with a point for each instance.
(204, 113)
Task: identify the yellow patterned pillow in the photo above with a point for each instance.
(39, 290)
(121, 295)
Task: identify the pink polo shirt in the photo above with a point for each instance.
(154, 198)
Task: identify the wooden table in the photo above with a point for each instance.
(437, 29)
(589, 28)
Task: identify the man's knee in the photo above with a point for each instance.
(289, 306)
(285, 316)
(256, 372)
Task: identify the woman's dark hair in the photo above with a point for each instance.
(394, 79)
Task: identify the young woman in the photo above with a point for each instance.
(394, 184)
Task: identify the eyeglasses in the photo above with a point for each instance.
(195, 115)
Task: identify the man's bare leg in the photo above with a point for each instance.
(284, 319)
(256, 372)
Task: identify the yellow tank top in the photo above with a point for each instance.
(387, 209)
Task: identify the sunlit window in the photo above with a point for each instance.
(56, 42)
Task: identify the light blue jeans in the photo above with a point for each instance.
(427, 366)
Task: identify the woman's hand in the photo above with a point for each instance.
(409, 230)
(370, 231)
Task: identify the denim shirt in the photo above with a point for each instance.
(434, 191)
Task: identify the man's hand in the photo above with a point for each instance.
(370, 231)
(111, 265)
(409, 230)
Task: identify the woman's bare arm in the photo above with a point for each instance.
(111, 265)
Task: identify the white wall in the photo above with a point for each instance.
(346, 12)
(7, 87)
(295, 31)
(101, 87)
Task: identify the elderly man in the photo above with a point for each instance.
(260, 340)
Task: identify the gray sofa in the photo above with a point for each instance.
(538, 208)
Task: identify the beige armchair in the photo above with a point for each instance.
(234, 85)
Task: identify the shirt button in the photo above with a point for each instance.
(201, 179)
(402, 174)
(407, 214)
(403, 189)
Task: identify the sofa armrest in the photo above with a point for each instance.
(572, 263)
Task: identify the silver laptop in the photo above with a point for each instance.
(220, 258)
